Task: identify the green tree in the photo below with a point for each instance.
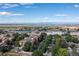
(27, 46)
(32, 47)
(74, 52)
(63, 43)
(26, 35)
(70, 38)
(15, 36)
(17, 41)
(42, 37)
(9, 42)
(37, 53)
(49, 38)
(5, 48)
(46, 40)
(61, 52)
(43, 46)
(75, 40)
(57, 45)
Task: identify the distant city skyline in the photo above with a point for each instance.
(39, 12)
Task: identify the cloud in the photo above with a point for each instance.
(5, 13)
(30, 7)
(17, 14)
(77, 17)
(26, 3)
(61, 15)
(8, 5)
(76, 5)
(11, 5)
(9, 14)
(45, 18)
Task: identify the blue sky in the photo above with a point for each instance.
(39, 12)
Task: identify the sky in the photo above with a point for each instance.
(39, 12)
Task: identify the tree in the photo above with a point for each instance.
(26, 35)
(42, 37)
(74, 52)
(16, 39)
(55, 50)
(70, 38)
(5, 48)
(37, 53)
(49, 38)
(17, 43)
(9, 42)
(75, 40)
(27, 46)
(63, 44)
(61, 52)
(57, 45)
(15, 36)
(32, 47)
(72, 45)
(43, 46)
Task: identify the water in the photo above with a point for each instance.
(20, 31)
(60, 32)
(48, 32)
